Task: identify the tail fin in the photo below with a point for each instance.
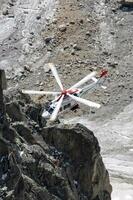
(103, 74)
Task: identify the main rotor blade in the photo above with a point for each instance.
(84, 101)
(55, 73)
(56, 110)
(85, 79)
(39, 92)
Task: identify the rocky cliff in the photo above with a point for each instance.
(60, 162)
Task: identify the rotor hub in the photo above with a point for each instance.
(71, 91)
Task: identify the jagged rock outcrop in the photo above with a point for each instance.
(60, 162)
(3, 86)
(80, 157)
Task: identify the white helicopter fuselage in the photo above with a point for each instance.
(68, 99)
(68, 103)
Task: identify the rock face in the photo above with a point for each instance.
(2, 87)
(77, 151)
(61, 162)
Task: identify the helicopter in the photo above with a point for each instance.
(69, 99)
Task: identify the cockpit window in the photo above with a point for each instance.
(50, 110)
(47, 105)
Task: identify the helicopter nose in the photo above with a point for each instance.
(46, 114)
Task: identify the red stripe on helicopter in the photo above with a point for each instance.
(71, 91)
(104, 72)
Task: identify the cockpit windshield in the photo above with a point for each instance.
(50, 110)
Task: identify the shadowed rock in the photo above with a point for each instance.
(81, 157)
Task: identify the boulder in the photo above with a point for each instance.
(62, 27)
(5, 11)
